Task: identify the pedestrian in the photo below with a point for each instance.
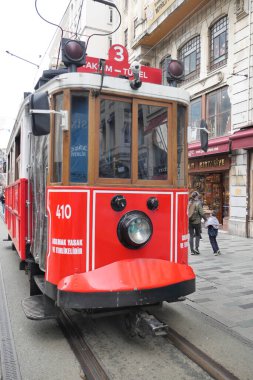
(2, 200)
(212, 225)
(195, 214)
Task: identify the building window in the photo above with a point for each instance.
(135, 26)
(109, 42)
(195, 118)
(218, 112)
(189, 54)
(219, 43)
(110, 15)
(126, 37)
(164, 66)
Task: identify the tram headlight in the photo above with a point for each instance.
(135, 229)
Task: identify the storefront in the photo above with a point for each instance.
(209, 175)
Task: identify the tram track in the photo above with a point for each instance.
(90, 365)
(93, 369)
(210, 366)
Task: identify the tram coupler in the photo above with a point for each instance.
(143, 323)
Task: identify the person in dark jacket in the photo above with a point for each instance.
(195, 214)
(2, 200)
(212, 225)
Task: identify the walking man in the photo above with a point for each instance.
(195, 214)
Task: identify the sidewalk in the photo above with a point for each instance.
(225, 283)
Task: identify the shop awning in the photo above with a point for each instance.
(215, 146)
(242, 139)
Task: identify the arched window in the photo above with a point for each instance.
(189, 54)
(219, 43)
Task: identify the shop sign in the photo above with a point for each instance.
(156, 8)
(209, 165)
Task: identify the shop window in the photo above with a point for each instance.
(195, 118)
(218, 112)
(219, 43)
(189, 54)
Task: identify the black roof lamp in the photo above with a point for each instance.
(175, 71)
(73, 53)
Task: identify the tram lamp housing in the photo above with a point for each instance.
(175, 71)
(73, 53)
(118, 203)
(152, 203)
(135, 229)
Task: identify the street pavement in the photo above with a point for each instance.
(224, 283)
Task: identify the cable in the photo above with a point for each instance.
(51, 23)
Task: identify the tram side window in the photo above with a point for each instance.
(79, 139)
(181, 142)
(115, 135)
(152, 142)
(58, 142)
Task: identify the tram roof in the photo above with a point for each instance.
(114, 85)
(111, 86)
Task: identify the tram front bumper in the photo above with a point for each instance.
(125, 283)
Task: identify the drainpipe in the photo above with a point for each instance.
(247, 234)
(248, 102)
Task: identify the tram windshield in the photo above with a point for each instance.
(115, 139)
(152, 142)
(117, 124)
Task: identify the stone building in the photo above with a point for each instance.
(214, 39)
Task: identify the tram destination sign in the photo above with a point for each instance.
(117, 65)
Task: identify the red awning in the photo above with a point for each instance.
(215, 146)
(242, 139)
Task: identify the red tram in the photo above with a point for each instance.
(96, 202)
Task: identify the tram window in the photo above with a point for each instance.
(79, 139)
(58, 142)
(152, 142)
(181, 114)
(115, 139)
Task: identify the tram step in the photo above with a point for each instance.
(40, 282)
(39, 307)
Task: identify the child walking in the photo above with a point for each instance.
(212, 225)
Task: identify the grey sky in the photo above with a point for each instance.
(24, 34)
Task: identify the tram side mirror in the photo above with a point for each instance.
(41, 119)
(204, 135)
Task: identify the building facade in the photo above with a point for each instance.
(88, 21)
(214, 39)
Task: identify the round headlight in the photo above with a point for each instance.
(134, 229)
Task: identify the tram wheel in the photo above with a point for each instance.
(13, 247)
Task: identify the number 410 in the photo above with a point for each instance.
(63, 211)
